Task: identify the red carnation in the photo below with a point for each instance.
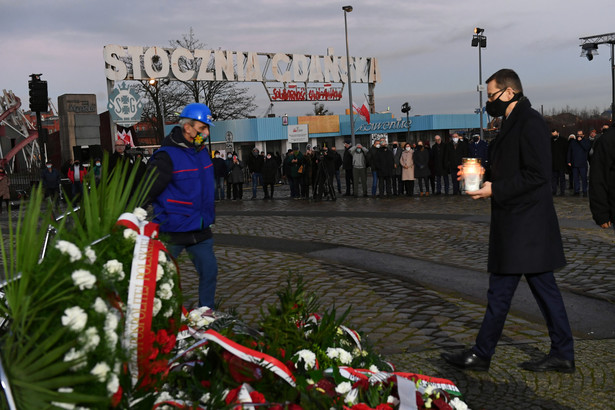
(257, 397)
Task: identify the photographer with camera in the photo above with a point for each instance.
(323, 184)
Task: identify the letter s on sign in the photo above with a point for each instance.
(117, 69)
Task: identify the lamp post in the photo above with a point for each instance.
(480, 41)
(405, 108)
(157, 94)
(589, 48)
(348, 9)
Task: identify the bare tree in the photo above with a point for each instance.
(319, 109)
(225, 99)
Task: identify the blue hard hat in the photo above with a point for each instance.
(199, 112)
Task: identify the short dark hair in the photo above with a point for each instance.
(505, 78)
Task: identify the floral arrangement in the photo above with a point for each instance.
(96, 321)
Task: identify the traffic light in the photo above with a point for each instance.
(38, 94)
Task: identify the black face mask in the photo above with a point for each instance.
(498, 107)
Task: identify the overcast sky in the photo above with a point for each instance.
(423, 47)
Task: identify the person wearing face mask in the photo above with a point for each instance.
(183, 193)
(477, 148)
(559, 150)
(524, 238)
(220, 172)
(5, 193)
(51, 180)
(359, 168)
(76, 174)
(421, 167)
(578, 151)
(371, 162)
(440, 171)
(270, 169)
(398, 187)
(407, 169)
(456, 149)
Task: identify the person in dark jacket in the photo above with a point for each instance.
(294, 161)
(602, 180)
(455, 150)
(559, 151)
(51, 180)
(220, 172)
(255, 166)
(421, 167)
(384, 163)
(236, 176)
(270, 170)
(183, 195)
(440, 171)
(578, 151)
(229, 183)
(477, 148)
(347, 165)
(398, 186)
(338, 163)
(524, 238)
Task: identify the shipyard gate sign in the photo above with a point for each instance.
(286, 77)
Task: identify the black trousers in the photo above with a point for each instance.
(549, 299)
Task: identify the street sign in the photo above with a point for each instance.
(125, 106)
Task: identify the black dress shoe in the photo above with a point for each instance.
(549, 364)
(466, 359)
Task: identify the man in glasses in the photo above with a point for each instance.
(524, 237)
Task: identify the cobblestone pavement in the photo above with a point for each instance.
(412, 324)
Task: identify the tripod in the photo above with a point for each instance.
(323, 184)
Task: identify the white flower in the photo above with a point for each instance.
(113, 384)
(332, 352)
(168, 313)
(373, 368)
(352, 397)
(90, 254)
(89, 339)
(308, 357)
(100, 306)
(114, 269)
(111, 339)
(73, 354)
(75, 318)
(392, 400)
(205, 398)
(159, 272)
(100, 371)
(130, 234)
(157, 306)
(111, 322)
(83, 279)
(162, 257)
(140, 213)
(165, 292)
(343, 388)
(458, 404)
(344, 356)
(70, 249)
(428, 390)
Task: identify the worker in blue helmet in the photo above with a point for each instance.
(182, 195)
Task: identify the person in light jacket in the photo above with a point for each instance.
(406, 162)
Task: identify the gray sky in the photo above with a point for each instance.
(423, 47)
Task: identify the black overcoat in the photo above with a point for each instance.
(524, 235)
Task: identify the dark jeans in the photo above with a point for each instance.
(558, 178)
(398, 187)
(238, 190)
(349, 181)
(579, 173)
(384, 182)
(204, 259)
(409, 187)
(423, 180)
(439, 183)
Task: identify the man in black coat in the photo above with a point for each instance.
(440, 171)
(347, 165)
(455, 150)
(524, 238)
(578, 152)
(384, 162)
(559, 150)
(602, 180)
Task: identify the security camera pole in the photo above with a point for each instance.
(589, 48)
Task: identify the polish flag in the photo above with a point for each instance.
(362, 110)
(126, 137)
